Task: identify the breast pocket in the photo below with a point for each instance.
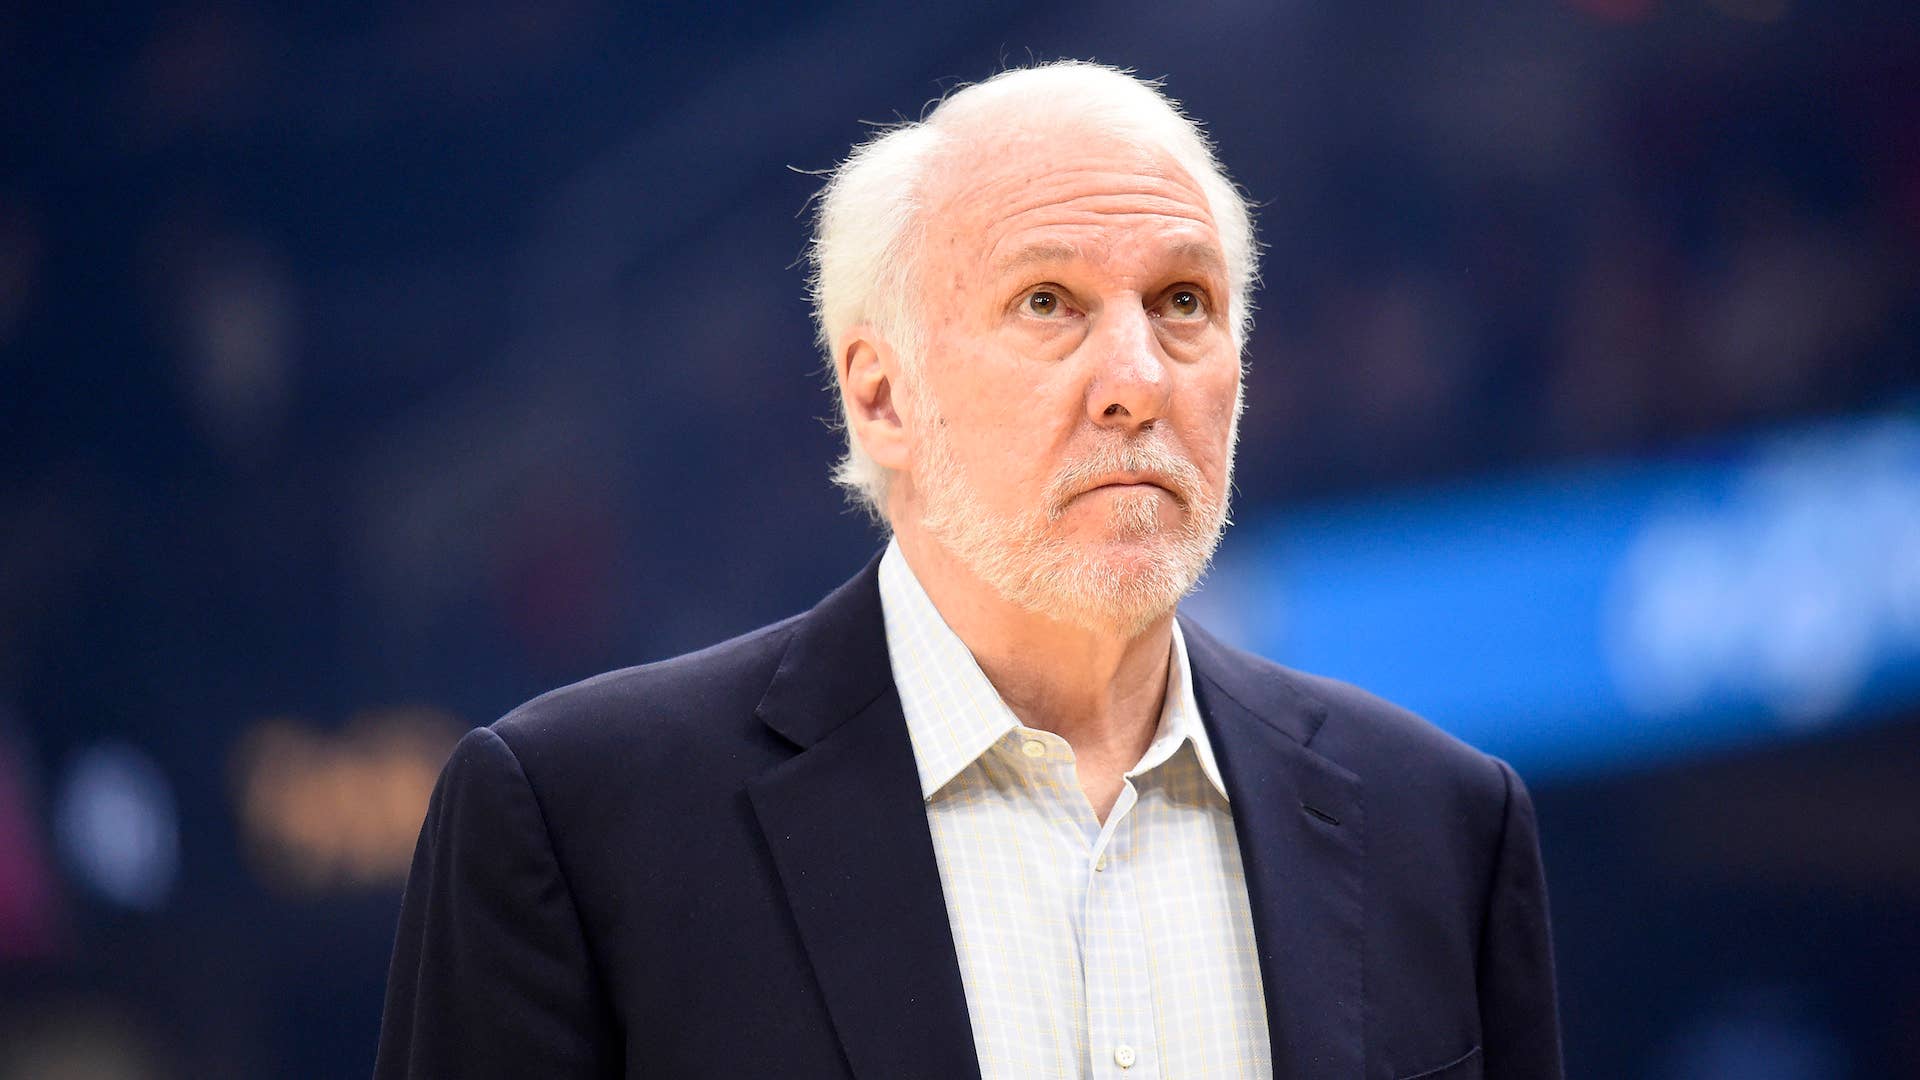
(1464, 1067)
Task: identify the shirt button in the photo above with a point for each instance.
(1034, 748)
(1124, 1056)
(1101, 862)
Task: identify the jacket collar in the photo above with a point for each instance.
(850, 841)
(1300, 823)
(847, 827)
(835, 665)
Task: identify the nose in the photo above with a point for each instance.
(1130, 383)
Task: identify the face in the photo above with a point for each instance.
(1072, 416)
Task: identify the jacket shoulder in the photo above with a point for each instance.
(1362, 732)
(698, 695)
(1359, 721)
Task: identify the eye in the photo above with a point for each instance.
(1043, 303)
(1184, 304)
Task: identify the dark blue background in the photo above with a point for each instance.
(368, 371)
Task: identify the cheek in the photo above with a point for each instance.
(1017, 407)
(1213, 405)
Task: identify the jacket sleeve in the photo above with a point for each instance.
(1519, 1012)
(491, 974)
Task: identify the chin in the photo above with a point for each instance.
(1118, 572)
(1120, 585)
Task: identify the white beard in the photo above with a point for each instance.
(1123, 582)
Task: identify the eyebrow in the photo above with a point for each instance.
(1052, 252)
(1038, 254)
(1206, 255)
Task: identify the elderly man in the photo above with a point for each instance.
(990, 809)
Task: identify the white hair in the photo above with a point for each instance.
(869, 226)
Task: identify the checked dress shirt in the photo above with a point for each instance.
(1121, 949)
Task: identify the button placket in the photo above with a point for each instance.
(1120, 1020)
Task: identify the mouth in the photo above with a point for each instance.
(1129, 485)
(1130, 474)
(1123, 483)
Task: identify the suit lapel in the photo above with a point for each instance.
(1302, 840)
(848, 831)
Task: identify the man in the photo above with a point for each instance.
(990, 809)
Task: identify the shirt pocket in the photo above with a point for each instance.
(1464, 1067)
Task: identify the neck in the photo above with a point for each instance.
(1101, 690)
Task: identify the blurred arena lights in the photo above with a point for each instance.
(339, 811)
(1570, 619)
(83, 1039)
(1788, 589)
(28, 901)
(1758, 1032)
(117, 826)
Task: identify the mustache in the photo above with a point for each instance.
(1152, 462)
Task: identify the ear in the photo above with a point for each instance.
(869, 381)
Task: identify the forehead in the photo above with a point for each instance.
(1024, 195)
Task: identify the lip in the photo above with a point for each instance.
(1132, 482)
(1128, 485)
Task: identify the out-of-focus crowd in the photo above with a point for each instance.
(368, 371)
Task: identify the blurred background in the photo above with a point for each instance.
(370, 368)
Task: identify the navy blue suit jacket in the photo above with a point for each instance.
(720, 866)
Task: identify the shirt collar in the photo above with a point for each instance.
(954, 714)
(1180, 719)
